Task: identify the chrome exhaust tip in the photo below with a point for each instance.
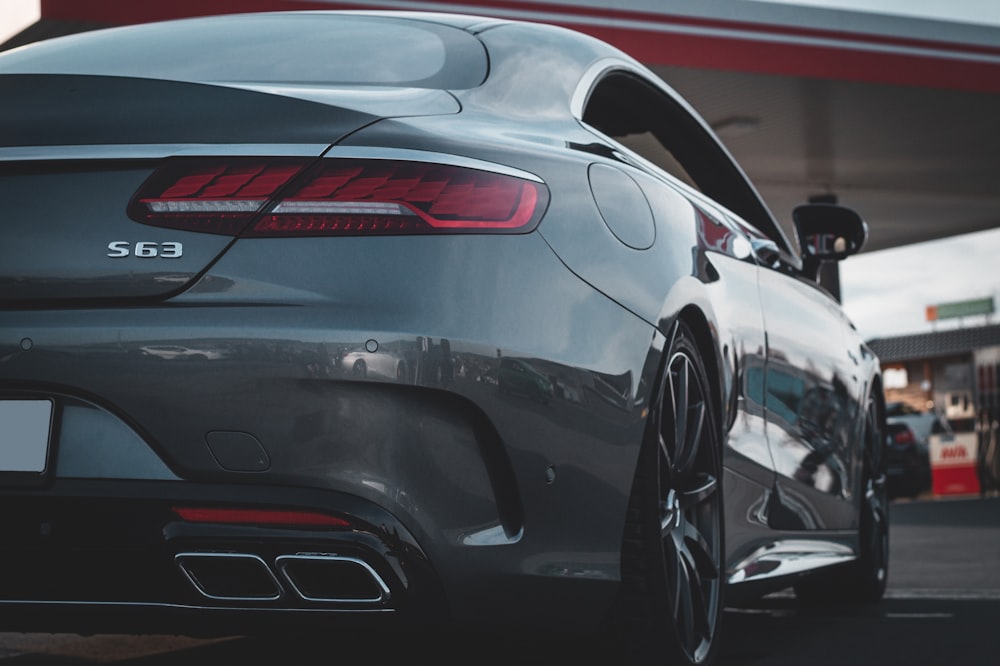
(229, 576)
(330, 578)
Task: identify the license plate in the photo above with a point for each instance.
(25, 433)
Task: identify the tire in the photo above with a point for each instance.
(672, 551)
(863, 581)
(360, 368)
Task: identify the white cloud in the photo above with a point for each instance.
(886, 293)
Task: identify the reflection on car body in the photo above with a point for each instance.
(168, 352)
(384, 364)
(503, 324)
(520, 378)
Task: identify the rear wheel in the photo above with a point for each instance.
(672, 552)
(862, 581)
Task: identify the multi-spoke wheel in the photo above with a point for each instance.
(864, 580)
(872, 568)
(673, 549)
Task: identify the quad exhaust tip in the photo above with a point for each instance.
(332, 578)
(230, 576)
(314, 577)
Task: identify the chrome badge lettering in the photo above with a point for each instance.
(145, 250)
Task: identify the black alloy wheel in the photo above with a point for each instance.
(872, 569)
(672, 554)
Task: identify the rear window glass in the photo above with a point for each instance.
(305, 48)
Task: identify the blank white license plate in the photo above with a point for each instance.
(25, 430)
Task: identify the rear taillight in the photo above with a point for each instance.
(904, 438)
(212, 197)
(389, 197)
(343, 197)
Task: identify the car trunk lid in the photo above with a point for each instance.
(77, 148)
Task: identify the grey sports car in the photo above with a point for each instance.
(617, 396)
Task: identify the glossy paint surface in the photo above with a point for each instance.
(474, 405)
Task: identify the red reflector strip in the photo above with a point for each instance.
(259, 517)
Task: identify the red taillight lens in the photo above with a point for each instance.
(337, 197)
(904, 437)
(212, 197)
(356, 197)
(258, 517)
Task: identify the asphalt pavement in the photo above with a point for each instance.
(942, 607)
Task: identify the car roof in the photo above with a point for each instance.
(304, 48)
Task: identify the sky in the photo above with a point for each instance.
(971, 11)
(885, 293)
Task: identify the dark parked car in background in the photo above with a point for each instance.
(432, 199)
(908, 467)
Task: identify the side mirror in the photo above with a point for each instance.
(828, 232)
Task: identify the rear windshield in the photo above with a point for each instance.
(306, 48)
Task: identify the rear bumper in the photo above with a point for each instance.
(118, 555)
(448, 519)
(249, 393)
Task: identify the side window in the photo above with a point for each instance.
(649, 147)
(649, 122)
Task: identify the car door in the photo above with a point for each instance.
(812, 386)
